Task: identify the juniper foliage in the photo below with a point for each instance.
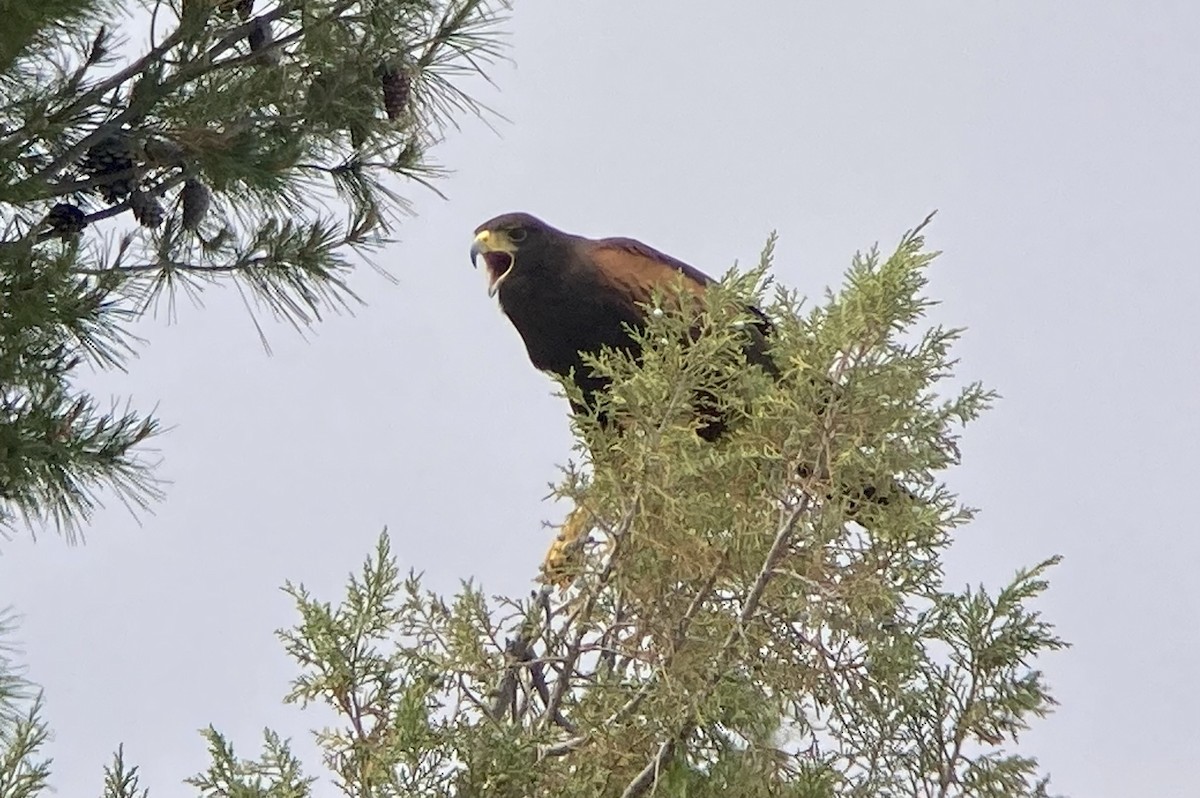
(729, 630)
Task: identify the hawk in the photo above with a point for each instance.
(568, 295)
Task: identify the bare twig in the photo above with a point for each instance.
(648, 775)
(519, 652)
(783, 537)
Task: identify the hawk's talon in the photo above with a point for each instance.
(563, 560)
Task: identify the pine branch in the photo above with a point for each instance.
(211, 143)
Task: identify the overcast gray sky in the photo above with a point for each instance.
(1061, 143)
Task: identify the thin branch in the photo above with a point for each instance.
(948, 776)
(519, 652)
(783, 535)
(574, 649)
(648, 776)
(684, 623)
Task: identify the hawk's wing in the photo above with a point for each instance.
(635, 270)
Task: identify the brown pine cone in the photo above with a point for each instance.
(195, 199)
(66, 219)
(110, 156)
(260, 39)
(146, 209)
(397, 86)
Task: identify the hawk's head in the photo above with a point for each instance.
(510, 241)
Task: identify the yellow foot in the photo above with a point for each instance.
(564, 557)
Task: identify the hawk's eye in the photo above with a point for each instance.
(517, 234)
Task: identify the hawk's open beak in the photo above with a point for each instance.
(499, 253)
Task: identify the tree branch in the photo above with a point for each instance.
(649, 774)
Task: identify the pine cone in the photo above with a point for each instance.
(66, 219)
(146, 209)
(110, 156)
(397, 85)
(195, 199)
(260, 39)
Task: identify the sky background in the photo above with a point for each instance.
(1061, 143)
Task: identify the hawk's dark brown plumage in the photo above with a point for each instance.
(567, 294)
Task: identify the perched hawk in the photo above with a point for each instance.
(567, 294)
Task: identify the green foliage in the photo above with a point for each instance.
(735, 625)
(121, 780)
(24, 770)
(56, 446)
(275, 774)
(224, 152)
(745, 618)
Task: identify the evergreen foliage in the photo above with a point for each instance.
(258, 144)
(727, 628)
(728, 631)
